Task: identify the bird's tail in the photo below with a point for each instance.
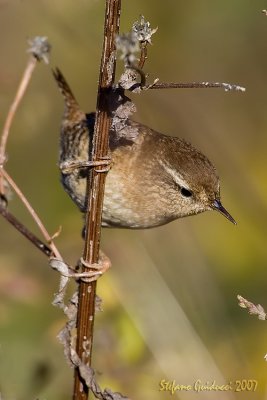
(64, 88)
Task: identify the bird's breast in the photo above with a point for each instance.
(130, 203)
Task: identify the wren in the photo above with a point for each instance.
(154, 178)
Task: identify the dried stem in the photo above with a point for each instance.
(196, 85)
(39, 49)
(33, 214)
(143, 55)
(96, 182)
(25, 232)
(12, 111)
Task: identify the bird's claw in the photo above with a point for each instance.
(67, 167)
(95, 270)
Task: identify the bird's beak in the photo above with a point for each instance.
(217, 205)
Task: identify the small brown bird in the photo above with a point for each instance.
(154, 178)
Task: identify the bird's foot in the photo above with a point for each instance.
(67, 167)
(95, 270)
(106, 163)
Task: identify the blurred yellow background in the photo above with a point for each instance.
(170, 308)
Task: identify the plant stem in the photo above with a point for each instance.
(197, 85)
(33, 213)
(26, 232)
(12, 111)
(96, 182)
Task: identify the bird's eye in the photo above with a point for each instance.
(185, 192)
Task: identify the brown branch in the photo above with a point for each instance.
(12, 111)
(26, 232)
(96, 182)
(196, 85)
(39, 50)
(33, 214)
(143, 55)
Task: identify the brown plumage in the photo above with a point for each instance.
(154, 178)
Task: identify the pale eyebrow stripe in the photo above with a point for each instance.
(175, 175)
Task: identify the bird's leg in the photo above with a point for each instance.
(67, 167)
(95, 270)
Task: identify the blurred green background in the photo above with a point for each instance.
(170, 308)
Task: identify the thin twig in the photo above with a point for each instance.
(143, 55)
(33, 214)
(26, 232)
(196, 85)
(96, 182)
(144, 34)
(12, 111)
(39, 50)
